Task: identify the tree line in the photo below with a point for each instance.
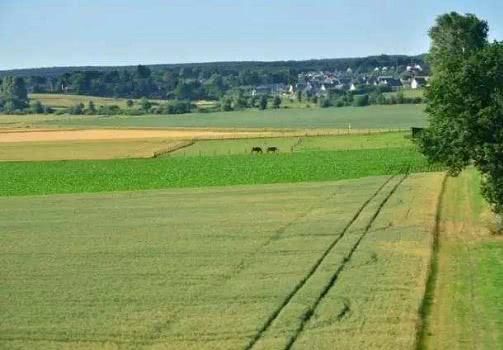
(189, 81)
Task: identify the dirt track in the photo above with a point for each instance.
(115, 134)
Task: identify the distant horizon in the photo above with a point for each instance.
(72, 33)
(209, 62)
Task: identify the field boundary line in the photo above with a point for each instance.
(306, 317)
(177, 147)
(431, 281)
(314, 268)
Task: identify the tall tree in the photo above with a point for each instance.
(276, 102)
(465, 102)
(143, 72)
(14, 93)
(263, 102)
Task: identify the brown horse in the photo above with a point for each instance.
(257, 150)
(272, 149)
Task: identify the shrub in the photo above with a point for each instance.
(361, 100)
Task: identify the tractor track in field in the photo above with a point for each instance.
(317, 264)
(309, 313)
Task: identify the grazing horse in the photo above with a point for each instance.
(257, 150)
(272, 149)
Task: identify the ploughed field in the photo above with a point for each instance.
(284, 266)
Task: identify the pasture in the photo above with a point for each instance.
(289, 266)
(372, 117)
(297, 144)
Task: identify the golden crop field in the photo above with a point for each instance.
(164, 269)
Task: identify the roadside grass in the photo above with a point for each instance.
(165, 269)
(26, 178)
(466, 311)
(298, 144)
(373, 117)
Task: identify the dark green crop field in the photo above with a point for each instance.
(28, 178)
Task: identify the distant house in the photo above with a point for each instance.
(418, 82)
(343, 84)
(414, 68)
(389, 81)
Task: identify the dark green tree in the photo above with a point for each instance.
(77, 109)
(465, 102)
(276, 102)
(299, 95)
(143, 72)
(91, 108)
(129, 103)
(145, 104)
(361, 100)
(36, 107)
(14, 93)
(226, 104)
(263, 102)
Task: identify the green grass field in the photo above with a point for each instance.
(374, 117)
(297, 144)
(27, 178)
(296, 265)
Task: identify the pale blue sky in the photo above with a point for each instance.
(41, 33)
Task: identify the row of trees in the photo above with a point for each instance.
(183, 84)
(240, 102)
(143, 106)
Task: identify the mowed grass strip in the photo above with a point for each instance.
(465, 309)
(373, 117)
(164, 269)
(29, 178)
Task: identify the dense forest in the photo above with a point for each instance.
(195, 80)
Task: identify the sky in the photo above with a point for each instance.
(47, 33)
